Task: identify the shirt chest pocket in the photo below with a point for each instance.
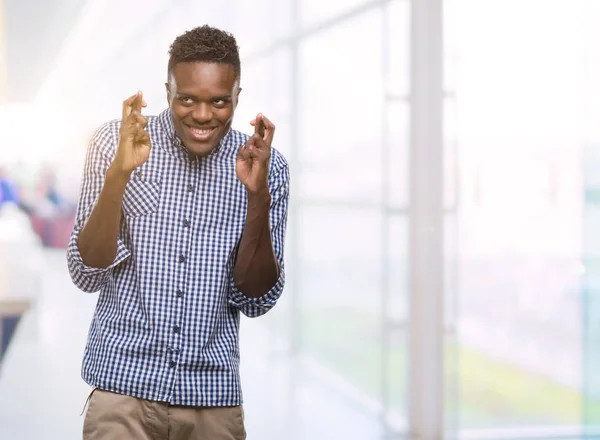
(142, 195)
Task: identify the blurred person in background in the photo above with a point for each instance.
(51, 214)
(180, 225)
(48, 190)
(9, 192)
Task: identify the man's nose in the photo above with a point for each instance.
(202, 112)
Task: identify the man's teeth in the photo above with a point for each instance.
(202, 131)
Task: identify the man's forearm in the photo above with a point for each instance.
(97, 242)
(256, 269)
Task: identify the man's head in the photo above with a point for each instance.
(203, 86)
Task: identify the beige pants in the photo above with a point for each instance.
(113, 416)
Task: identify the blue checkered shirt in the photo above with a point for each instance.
(167, 319)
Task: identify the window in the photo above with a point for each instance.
(519, 223)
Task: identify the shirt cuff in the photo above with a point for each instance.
(122, 254)
(267, 300)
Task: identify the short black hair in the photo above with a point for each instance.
(205, 44)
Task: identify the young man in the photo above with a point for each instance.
(180, 226)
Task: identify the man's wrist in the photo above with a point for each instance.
(260, 197)
(117, 175)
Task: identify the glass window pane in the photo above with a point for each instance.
(519, 224)
(397, 270)
(397, 16)
(395, 339)
(450, 155)
(341, 266)
(451, 33)
(316, 11)
(340, 125)
(247, 20)
(591, 216)
(397, 155)
(590, 287)
(451, 351)
(396, 385)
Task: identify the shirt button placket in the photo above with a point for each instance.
(179, 293)
(176, 329)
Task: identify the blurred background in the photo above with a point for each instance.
(443, 264)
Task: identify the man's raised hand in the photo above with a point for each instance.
(134, 142)
(252, 164)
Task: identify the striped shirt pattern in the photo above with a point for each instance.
(166, 323)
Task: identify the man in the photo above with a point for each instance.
(180, 226)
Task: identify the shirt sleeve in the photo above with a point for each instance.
(87, 278)
(254, 307)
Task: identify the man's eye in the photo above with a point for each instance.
(186, 100)
(219, 102)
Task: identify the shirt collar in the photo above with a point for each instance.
(176, 145)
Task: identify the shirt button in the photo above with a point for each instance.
(190, 187)
(176, 328)
(181, 258)
(138, 174)
(179, 294)
(186, 223)
(171, 364)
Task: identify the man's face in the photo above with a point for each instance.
(202, 98)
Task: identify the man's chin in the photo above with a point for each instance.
(200, 148)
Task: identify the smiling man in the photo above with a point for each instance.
(180, 227)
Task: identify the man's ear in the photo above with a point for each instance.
(168, 88)
(237, 96)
